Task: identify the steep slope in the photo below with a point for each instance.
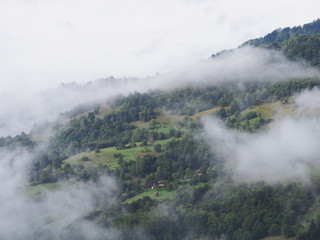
(281, 35)
(296, 43)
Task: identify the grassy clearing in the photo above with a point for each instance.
(267, 110)
(165, 121)
(103, 110)
(106, 155)
(37, 190)
(270, 110)
(160, 126)
(163, 195)
(204, 113)
(278, 238)
(165, 141)
(141, 124)
(162, 116)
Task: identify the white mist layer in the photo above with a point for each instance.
(20, 113)
(286, 151)
(24, 217)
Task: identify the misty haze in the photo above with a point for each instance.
(159, 120)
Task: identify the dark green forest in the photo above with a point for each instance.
(297, 43)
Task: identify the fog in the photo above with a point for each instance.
(43, 43)
(287, 150)
(243, 65)
(20, 112)
(27, 214)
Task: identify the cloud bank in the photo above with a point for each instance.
(20, 112)
(288, 150)
(25, 216)
(243, 65)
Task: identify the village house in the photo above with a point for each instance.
(198, 172)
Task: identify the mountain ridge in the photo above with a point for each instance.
(281, 35)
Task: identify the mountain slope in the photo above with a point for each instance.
(281, 35)
(232, 157)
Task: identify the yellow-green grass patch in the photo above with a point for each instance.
(267, 110)
(277, 238)
(106, 155)
(36, 190)
(207, 112)
(163, 194)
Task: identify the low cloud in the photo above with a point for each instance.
(288, 150)
(243, 65)
(26, 215)
(308, 102)
(20, 113)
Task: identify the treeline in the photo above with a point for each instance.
(86, 132)
(303, 47)
(223, 210)
(47, 168)
(296, 43)
(20, 141)
(282, 35)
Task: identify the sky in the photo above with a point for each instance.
(46, 42)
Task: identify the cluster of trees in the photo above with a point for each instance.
(48, 168)
(179, 158)
(312, 232)
(282, 35)
(89, 132)
(239, 212)
(249, 122)
(303, 47)
(296, 43)
(86, 132)
(22, 140)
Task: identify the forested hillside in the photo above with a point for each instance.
(159, 160)
(296, 43)
(283, 34)
(174, 177)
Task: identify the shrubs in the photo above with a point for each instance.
(251, 115)
(85, 159)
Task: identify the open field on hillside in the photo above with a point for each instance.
(164, 120)
(106, 155)
(204, 113)
(36, 190)
(163, 195)
(278, 238)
